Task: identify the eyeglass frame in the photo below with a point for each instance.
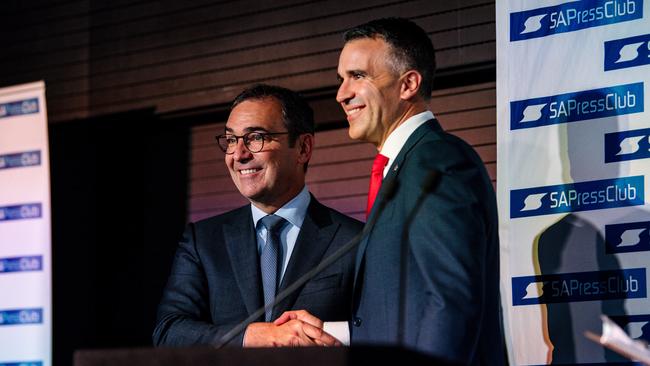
(246, 140)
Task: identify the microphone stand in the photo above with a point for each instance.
(389, 191)
(428, 185)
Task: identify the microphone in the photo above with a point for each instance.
(389, 188)
(429, 184)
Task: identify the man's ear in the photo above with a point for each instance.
(410, 84)
(305, 147)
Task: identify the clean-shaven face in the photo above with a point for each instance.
(274, 175)
(370, 89)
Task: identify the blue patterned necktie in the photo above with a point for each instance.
(271, 259)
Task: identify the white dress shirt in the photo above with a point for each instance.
(397, 138)
(294, 212)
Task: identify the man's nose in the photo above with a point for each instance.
(344, 93)
(241, 152)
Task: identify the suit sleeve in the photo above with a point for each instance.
(449, 246)
(183, 317)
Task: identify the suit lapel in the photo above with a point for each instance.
(416, 136)
(239, 236)
(315, 237)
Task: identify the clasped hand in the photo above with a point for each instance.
(292, 329)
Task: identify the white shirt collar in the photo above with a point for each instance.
(293, 211)
(397, 138)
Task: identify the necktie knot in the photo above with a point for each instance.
(379, 164)
(376, 176)
(272, 223)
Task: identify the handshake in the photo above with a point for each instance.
(296, 328)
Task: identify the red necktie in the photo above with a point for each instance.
(376, 176)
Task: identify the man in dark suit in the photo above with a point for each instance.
(228, 266)
(451, 298)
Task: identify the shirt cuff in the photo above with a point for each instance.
(339, 330)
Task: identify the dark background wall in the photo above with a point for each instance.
(101, 57)
(136, 91)
(117, 209)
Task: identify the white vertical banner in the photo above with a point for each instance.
(25, 228)
(573, 175)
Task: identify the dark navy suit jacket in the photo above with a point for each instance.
(215, 282)
(452, 297)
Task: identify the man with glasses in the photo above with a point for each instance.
(228, 266)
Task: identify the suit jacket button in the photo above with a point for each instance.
(356, 322)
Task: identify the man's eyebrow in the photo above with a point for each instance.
(355, 72)
(351, 73)
(249, 129)
(255, 129)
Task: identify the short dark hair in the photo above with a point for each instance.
(412, 48)
(298, 117)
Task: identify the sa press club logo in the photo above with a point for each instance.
(577, 106)
(579, 286)
(572, 16)
(21, 264)
(627, 145)
(627, 52)
(21, 316)
(627, 237)
(20, 212)
(18, 160)
(18, 108)
(580, 196)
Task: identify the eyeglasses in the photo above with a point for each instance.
(254, 141)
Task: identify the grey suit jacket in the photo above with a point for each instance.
(452, 297)
(215, 282)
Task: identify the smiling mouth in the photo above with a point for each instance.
(353, 111)
(249, 171)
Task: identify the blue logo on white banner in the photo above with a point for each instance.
(577, 106)
(18, 160)
(581, 196)
(579, 286)
(627, 237)
(21, 316)
(572, 16)
(627, 52)
(18, 108)
(21, 264)
(627, 145)
(20, 212)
